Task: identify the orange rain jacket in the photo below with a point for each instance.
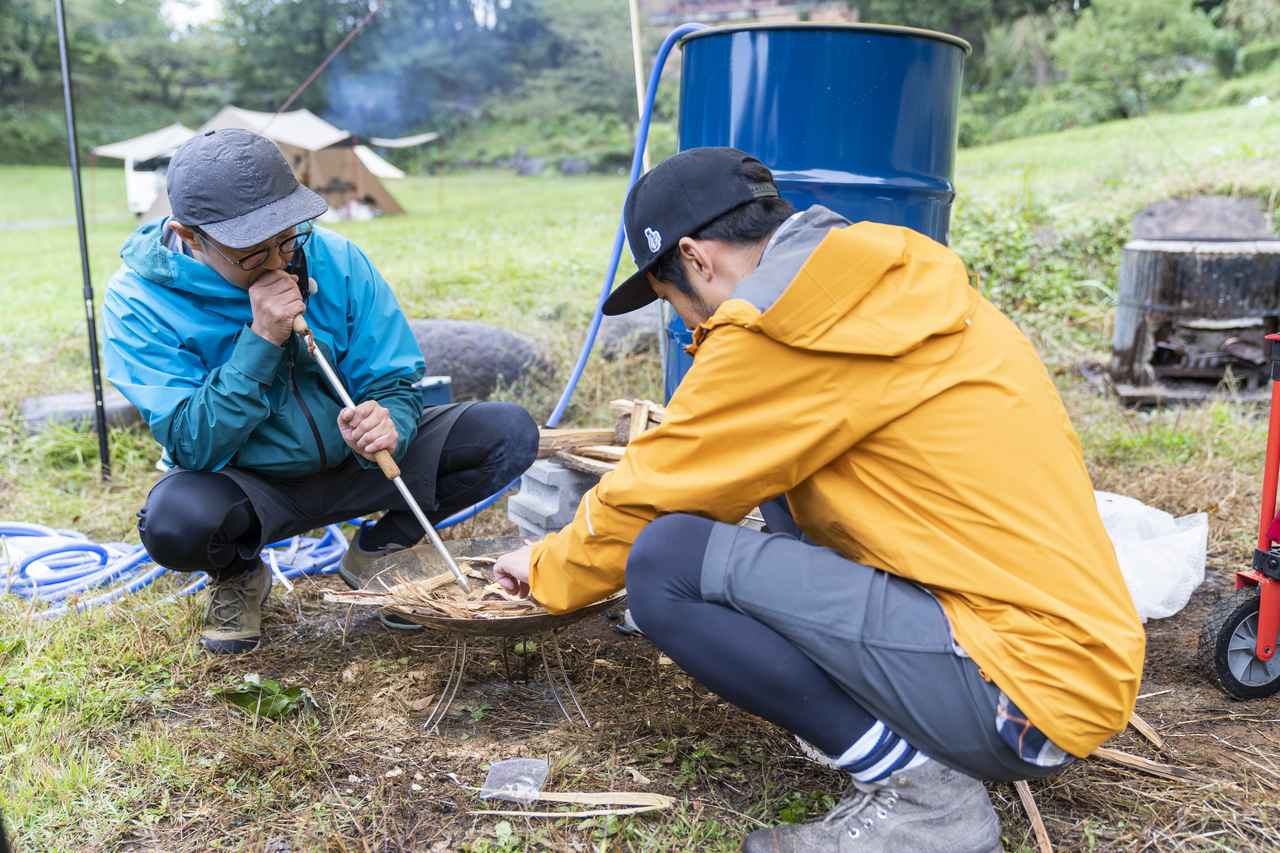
(912, 428)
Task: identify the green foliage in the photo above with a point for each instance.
(972, 20)
(264, 697)
(1251, 19)
(576, 98)
(1018, 57)
(1061, 108)
(1023, 265)
(589, 66)
(1239, 90)
(1259, 55)
(1137, 52)
(131, 73)
(799, 806)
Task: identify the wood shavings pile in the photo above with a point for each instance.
(442, 596)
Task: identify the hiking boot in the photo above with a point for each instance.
(233, 619)
(927, 809)
(359, 568)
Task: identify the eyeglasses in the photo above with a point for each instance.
(257, 258)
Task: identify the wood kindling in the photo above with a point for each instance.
(552, 441)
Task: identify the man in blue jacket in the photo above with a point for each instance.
(199, 338)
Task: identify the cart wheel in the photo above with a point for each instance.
(1228, 644)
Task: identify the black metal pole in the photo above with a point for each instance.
(99, 410)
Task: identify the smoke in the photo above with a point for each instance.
(373, 102)
(422, 61)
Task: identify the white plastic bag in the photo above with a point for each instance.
(1162, 557)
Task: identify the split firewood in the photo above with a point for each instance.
(605, 452)
(552, 441)
(584, 464)
(639, 420)
(644, 413)
(624, 407)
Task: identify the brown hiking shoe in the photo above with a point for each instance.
(233, 619)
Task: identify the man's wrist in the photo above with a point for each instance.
(266, 335)
(256, 357)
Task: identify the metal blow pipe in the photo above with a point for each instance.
(384, 458)
(99, 409)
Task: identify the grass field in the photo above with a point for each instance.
(111, 738)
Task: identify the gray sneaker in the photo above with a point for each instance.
(233, 619)
(360, 568)
(928, 809)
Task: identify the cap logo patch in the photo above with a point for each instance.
(655, 240)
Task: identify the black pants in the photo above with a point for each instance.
(218, 522)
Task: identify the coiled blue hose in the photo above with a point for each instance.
(59, 566)
(70, 565)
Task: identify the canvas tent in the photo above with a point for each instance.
(146, 158)
(326, 158)
(323, 156)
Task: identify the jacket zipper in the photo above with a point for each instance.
(315, 432)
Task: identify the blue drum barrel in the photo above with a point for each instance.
(860, 118)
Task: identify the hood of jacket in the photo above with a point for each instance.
(826, 285)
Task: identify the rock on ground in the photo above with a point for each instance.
(478, 357)
(1212, 217)
(629, 334)
(573, 166)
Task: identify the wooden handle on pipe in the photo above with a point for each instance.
(387, 463)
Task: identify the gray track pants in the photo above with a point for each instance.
(884, 640)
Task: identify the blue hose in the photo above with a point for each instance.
(64, 565)
(73, 565)
(637, 161)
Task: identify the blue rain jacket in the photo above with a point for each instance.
(179, 347)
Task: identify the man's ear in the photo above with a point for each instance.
(185, 233)
(697, 260)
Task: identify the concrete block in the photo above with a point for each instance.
(38, 413)
(548, 498)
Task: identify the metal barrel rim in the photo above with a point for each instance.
(876, 29)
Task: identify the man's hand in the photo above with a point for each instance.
(276, 300)
(368, 428)
(511, 571)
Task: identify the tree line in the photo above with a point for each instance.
(558, 72)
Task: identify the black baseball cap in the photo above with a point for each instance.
(236, 186)
(675, 199)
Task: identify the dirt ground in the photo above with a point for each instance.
(360, 773)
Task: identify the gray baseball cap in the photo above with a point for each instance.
(236, 187)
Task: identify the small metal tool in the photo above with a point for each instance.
(384, 458)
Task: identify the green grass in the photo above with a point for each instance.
(1120, 166)
(111, 737)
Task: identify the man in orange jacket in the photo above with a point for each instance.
(937, 602)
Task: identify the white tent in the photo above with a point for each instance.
(325, 158)
(146, 159)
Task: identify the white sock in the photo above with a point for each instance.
(878, 754)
